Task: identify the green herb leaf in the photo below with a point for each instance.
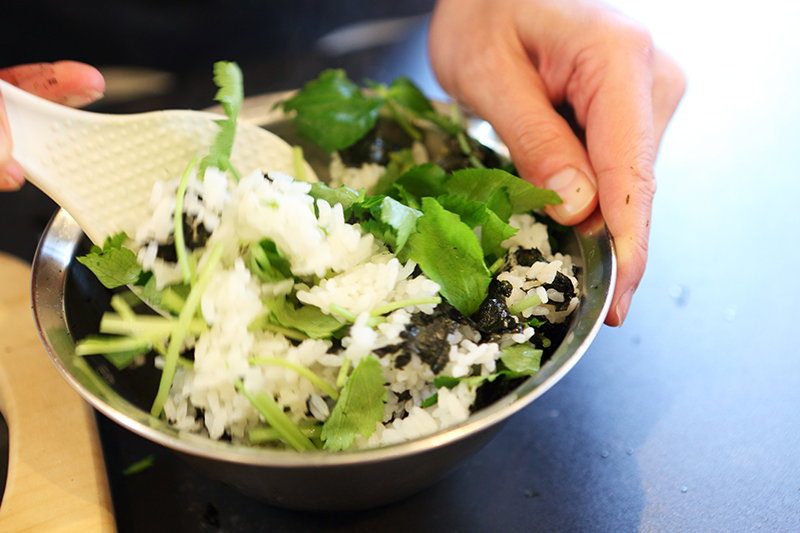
(139, 466)
(420, 181)
(400, 162)
(267, 262)
(392, 222)
(307, 319)
(481, 184)
(430, 400)
(522, 359)
(448, 251)
(343, 195)
(408, 96)
(228, 78)
(474, 214)
(113, 264)
(359, 408)
(332, 111)
(445, 381)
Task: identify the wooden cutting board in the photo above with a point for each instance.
(56, 476)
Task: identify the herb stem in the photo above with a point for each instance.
(341, 311)
(267, 407)
(95, 346)
(320, 383)
(180, 242)
(521, 306)
(342, 377)
(124, 310)
(403, 121)
(298, 160)
(393, 306)
(182, 328)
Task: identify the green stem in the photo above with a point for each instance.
(342, 377)
(403, 121)
(120, 305)
(172, 301)
(342, 312)
(152, 327)
(320, 383)
(182, 328)
(519, 307)
(95, 346)
(180, 242)
(267, 407)
(297, 160)
(261, 434)
(497, 265)
(393, 306)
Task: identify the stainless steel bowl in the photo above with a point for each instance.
(68, 304)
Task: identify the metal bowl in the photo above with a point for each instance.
(68, 303)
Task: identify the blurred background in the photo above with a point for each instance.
(684, 419)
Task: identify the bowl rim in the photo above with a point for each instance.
(50, 272)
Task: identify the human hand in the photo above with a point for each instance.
(514, 61)
(65, 82)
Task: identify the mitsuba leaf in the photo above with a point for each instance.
(408, 96)
(481, 185)
(522, 359)
(113, 264)
(332, 112)
(228, 78)
(343, 195)
(447, 250)
(359, 408)
(399, 163)
(420, 181)
(307, 319)
(267, 262)
(392, 222)
(474, 214)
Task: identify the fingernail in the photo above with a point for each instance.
(8, 182)
(576, 190)
(82, 99)
(624, 305)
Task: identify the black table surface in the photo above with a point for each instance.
(684, 419)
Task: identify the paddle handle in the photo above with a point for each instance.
(56, 475)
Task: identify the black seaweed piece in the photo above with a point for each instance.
(426, 335)
(452, 157)
(554, 335)
(491, 391)
(564, 285)
(493, 317)
(384, 351)
(195, 235)
(402, 360)
(383, 139)
(528, 256)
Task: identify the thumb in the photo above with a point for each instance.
(543, 146)
(11, 177)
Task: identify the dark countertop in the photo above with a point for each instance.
(684, 419)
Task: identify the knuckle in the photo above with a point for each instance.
(535, 138)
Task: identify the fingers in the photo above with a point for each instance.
(621, 143)
(503, 87)
(65, 82)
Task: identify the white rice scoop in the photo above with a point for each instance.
(101, 168)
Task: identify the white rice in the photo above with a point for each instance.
(357, 273)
